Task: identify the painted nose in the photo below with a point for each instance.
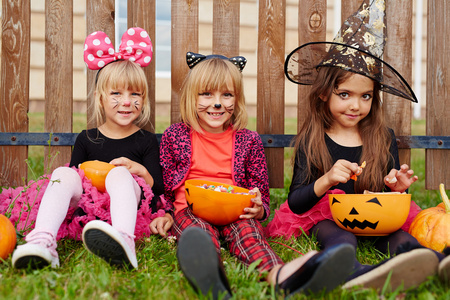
(217, 105)
(126, 101)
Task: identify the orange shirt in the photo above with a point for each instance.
(212, 155)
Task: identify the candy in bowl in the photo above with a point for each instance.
(216, 203)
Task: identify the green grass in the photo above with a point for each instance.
(84, 276)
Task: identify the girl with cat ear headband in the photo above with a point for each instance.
(212, 143)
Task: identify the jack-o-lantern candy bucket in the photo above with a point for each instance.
(215, 207)
(96, 171)
(373, 214)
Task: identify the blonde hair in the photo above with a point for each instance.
(375, 135)
(209, 75)
(120, 74)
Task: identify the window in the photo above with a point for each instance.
(121, 20)
(163, 34)
(163, 38)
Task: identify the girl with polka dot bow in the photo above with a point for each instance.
(71, 206)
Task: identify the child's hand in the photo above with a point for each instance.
(399, 181)
(257, 210)
(161, 225)
(134, 168)
(341, 172)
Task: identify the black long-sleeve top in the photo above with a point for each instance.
(302, 197)
(141, 147)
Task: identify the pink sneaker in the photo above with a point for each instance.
(103, 240)
(37, 253)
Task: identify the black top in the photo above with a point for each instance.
(301, 195)
(141, 147)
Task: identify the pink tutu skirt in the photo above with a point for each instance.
(286, 224)
(21, 205)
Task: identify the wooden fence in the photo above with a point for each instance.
(15, 69)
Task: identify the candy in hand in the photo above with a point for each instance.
(360, 169)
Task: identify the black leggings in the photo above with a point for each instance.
(329, 234)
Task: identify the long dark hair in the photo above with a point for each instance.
(374, 133)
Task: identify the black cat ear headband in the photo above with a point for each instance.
(193, 59)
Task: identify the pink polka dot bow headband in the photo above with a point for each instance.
(135, 46)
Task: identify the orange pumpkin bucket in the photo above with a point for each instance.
(373, 214)
(96, 171)
(217, 208)
(8, 237)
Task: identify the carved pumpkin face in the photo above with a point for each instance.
(217, 208)
(370, 214)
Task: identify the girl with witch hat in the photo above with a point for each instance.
(345, 126)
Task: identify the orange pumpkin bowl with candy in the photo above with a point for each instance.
(372, 214)
(96, 171)
(217, 208)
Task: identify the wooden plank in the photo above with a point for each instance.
(15, 70)
(348, 7)
(58, 77)
(438, 91)
(312, 17)
(398, 53)
(100, 16)
(270, 82)
(141, 13)
(226, 27)
(184, 38)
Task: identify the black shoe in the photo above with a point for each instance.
(105, 241)
(322, 272)
(201, 264)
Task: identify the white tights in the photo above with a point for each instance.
(65, 190)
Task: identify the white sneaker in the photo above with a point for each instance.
(408, 269)
(444, 269)
(103, 240)
(37, 253)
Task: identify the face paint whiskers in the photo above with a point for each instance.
(202, 108)
(115, 102)
(229, 109)
(137, 105)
